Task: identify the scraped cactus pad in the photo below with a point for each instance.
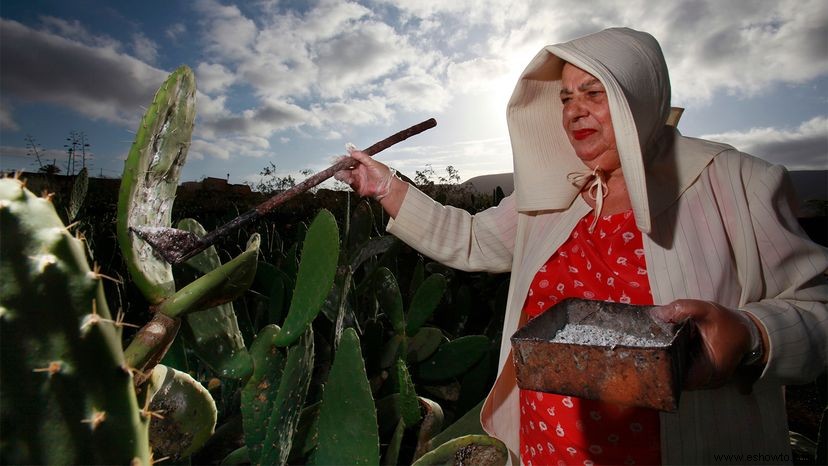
(150, 179)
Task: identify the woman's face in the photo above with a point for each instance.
(586, 119)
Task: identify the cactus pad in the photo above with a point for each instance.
(347, 402)
(480, 450)
(183, 414)
(320, 254)
(67, 395)
(150, 179)
(213, 334)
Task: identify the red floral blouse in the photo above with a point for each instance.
(607, 264)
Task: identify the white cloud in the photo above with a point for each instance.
(144, 48)
(227, 32)
(228, 147)
(77, 32)
(333, 67)
(710, 45)
(43, 67)
(256, 123)
(336, 58)
(417, 93)
(802, 148)
(356, 58)
(6, 119)
(329, 17)
(472, 11)
(743, 49)
(354, 112)
(213, 77)
(478, 75)
(176, 30)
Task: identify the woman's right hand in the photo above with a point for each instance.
(368, 177)
(375, 179)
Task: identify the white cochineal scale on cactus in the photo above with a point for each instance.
(168, 145)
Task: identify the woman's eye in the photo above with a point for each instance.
(595, 93)
(564, 100)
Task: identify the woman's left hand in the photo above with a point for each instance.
(725, 339)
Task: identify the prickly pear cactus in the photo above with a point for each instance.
(67, 396)
(258, 394)
(219, 286)
(348, 432)
(76, 198)
(183, 414)
(479, 450)
(273, 398)
(424, 302)
(289, 400)
(150, 179)
(453, 359)
(213, 334)
(320, 253)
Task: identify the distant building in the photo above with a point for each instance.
(215, 185)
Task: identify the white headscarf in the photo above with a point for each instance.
(632, 69)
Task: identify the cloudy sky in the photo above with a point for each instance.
(291, 82)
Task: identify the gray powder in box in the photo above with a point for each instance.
(582, 334)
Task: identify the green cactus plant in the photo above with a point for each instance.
(213, 334)
(183, 414)
(424, 343)
(409, 407)
(219, 286)
(275, 289)
(150, 179)
(424, 302)
(306, 437)
(150, 344)
(78, 195)
(360, 227)
(290, 398)
(468, 424)
(432, 423)
(72, 399)
(480, 450)
(258, 395)
(273, 397)
(390, 299)
(347, 419)
(317, 269)
(392, 452)
(453, 358)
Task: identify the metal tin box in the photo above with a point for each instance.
(646, 370)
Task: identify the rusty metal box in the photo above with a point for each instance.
(615, 353)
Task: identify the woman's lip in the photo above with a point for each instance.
(579, 134)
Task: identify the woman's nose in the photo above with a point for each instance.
(575, 110)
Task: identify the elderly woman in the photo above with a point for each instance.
(611, 203)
